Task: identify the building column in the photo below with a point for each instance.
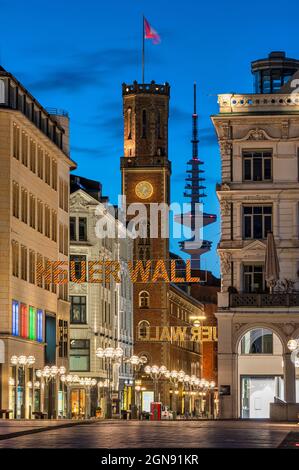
(289, 379)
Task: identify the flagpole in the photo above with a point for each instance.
(143, 48)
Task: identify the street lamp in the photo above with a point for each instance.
(21, 363)
(156, 373)
(111, 356)
(137, 362)
(49, 374)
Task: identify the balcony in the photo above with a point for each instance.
(250, 103)
(264, 300)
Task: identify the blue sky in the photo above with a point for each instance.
(75, 55)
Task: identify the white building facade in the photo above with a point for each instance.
(259, 192)
(101, 313)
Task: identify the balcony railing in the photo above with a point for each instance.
(265, 300)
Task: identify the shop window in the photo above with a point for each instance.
(32, 323)
(15, 318)
(40, 333)
(24, 321)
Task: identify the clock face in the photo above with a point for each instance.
(144, 190)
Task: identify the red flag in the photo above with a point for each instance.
(150, 33)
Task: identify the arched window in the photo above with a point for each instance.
(129, 123)
(144, 299)
(257, 341)
(144, 124)
(143, 329)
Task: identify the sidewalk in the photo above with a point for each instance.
(9, 427)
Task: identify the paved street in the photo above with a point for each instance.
(134, 434)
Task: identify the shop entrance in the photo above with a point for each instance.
(78, 403)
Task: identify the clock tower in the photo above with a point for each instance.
(145, 179)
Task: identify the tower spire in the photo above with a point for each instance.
(194, 190)
(195, 140)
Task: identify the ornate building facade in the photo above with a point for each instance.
(101, 313)
(259, 193)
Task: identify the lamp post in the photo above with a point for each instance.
(49, 374)
(69, 380)
(173, 377)
(136, 362)
(21, 363)
(156, 373)
(111, 356)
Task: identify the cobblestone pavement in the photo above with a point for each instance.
(134, 434)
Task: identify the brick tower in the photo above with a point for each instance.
(145, 179)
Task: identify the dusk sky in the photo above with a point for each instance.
(75, 55)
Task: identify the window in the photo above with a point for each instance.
(257, 165)
(257, 221)
(61, 238)
(23, 263)
(15, 318)
(66, 239)
(24, 205)
(24, 321)
(47, 169)
(65, 196)
(82, 229)
(32, 205)
(63, 338)
(32, 323)
(40, 216)
(47, 280)
(15, 259)
(158, 125)
(24, 149)
(16, 141)
(60, 193)
(144, 124)
(78, 267)
(73, 236)
(129, 123)
(253, 278)
(54, 226)
(32, 156)
(258, 341)
(143, 329)
(78, 309)
(47, 221)
(40, 326)
(31, 267)
(15, 199)
(54, 175)
(80, 355)
(39, 262)
(144, 299)
(40, 163)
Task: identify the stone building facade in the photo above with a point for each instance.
(101, 313)
(34, 194)
(259, 192)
